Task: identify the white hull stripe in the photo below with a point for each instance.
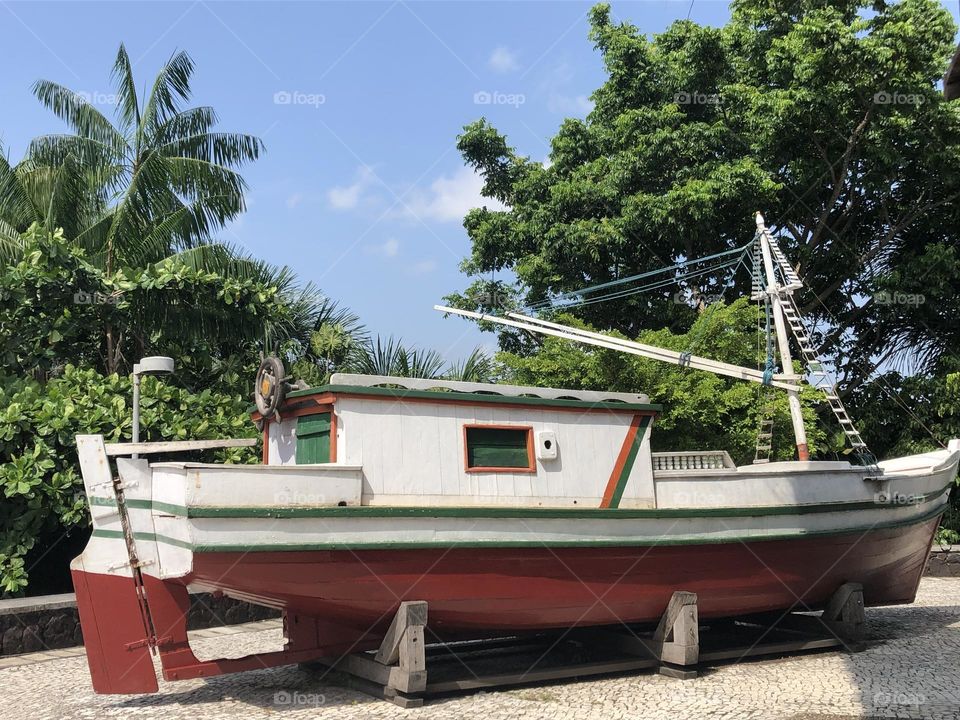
(291, 535)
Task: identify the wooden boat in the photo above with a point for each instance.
(506, 508)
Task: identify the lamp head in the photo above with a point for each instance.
(156, 365)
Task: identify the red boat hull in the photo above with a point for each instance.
(336, 602)
(507, 589)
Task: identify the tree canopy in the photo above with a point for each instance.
(825, 116)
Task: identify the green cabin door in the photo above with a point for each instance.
(313, 439)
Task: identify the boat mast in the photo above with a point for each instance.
(774, 291)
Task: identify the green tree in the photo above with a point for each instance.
(153, 189)
(39, 479)
(825, 115)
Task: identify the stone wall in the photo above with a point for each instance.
(51, 622)
(944, 561)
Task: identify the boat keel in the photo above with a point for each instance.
(120, 639)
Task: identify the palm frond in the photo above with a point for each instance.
(15, 207)
(11, 244)
(220, 148)
(171, 86)
(194, 121)
(391, 357)
(128, 105)
(476, 367)
(78, 113)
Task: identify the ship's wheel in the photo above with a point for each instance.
(270, 387)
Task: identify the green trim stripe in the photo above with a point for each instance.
(628, 465)
(620, 542)
(533, 513)
(145, 536)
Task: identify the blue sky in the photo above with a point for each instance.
(361, 189)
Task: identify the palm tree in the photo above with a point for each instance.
(476, 367)
(161, 181)
(392, 357)
(154, 189)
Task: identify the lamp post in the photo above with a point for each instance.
(155, 365)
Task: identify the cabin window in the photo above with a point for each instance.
(498, 447)
(313, 439)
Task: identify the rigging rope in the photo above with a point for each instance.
(679, 267)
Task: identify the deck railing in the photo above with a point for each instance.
(693, 460)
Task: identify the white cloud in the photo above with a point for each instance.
(294, 200)
(346, 197)
(569, 105)
(449, 198)
(388, 249)
(559, 86)
(503, 61)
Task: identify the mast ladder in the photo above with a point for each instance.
(819, 376)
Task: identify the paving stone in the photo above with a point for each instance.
(910, 669)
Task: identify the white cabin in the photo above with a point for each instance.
(440, 442)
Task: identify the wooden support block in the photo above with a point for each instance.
(412, 656)
(678, 672)
(409, 614)
(401, 700)
(844, 612)
(678, 634)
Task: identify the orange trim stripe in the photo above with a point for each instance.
(621, 462)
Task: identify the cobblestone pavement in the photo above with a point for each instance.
(910, 669)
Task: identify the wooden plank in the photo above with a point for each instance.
(772, 648)
(542, 675)
(153, 448)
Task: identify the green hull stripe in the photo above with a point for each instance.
(145, 536)
(628, 465)
(532, 513)
(624, 542)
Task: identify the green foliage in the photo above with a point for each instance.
(107, 252)
(55, 305)
(391, 357)
(826, 116)
(905, 414)
(39, 475)
(701, 410)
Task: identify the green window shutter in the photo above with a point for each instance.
(497, 448)
(313, 439)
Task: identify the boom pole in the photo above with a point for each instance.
(652, 352)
